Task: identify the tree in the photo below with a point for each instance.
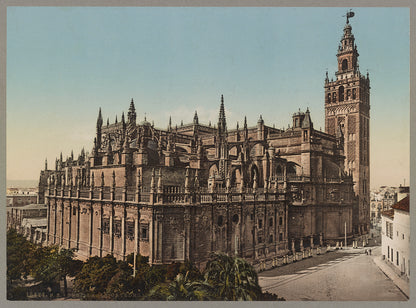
(232, 277)
(18, 251)
(95, 275)
(184, 288)
(67, 266)
(52, 264)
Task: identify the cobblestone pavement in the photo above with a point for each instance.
(342, 275)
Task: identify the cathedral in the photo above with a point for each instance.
(180, 193)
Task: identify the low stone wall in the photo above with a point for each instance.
(278, 261)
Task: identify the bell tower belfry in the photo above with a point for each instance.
(347, 107)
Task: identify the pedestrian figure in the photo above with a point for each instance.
(366, 252)
(370, 252)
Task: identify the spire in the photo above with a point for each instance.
(195, 118)
(122, 118)
(99, 119)
(222, 124)
(46, 164)
(245, 122)
(131, 115)
(260, 121)
(108, 121)
(116, 119)
(307, 122)
(170, 124)
(347, 50)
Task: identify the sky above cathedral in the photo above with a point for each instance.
(65, 63)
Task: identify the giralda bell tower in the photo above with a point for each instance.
(347, 110)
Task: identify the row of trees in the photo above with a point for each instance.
(47, 265)
(224, 277)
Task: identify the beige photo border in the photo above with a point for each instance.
(207, 3)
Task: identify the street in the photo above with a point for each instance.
(343, 275)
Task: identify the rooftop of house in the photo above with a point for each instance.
(402, 205)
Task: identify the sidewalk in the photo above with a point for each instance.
(390, 272)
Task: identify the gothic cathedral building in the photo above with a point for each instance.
(183, 192)
(347, 112)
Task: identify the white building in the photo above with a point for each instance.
(395, 236)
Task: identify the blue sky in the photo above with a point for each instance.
(65, 63)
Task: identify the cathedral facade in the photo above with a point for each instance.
(180, 193)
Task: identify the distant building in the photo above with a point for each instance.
(395, 236)
(35, 229)
(27, 218)
(383, 199)
(20, 199)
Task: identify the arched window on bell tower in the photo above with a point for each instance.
(344, 64)
(341, 93)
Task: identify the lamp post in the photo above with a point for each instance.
(345, 233)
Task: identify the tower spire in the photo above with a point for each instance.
(222, 123)
(131, 115)
(196, 118)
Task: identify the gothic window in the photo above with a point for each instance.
(280, 237)
(280, 221)
(344, 64)
(270, 222)
(354, 93)
(117, 228)
(348, 94)
(271, 238)
(329, 98)
(334, 97)
(74, 210)
(291, 170)
(220, 221)
(260, 223)
(144, 234)
(259, 239)
(106, 226)
(235, 218)
(279, 171)
(341, 93)
(130, 230)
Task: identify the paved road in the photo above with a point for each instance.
(341, 276)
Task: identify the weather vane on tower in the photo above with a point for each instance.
(349, 15)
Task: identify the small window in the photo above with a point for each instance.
(402, 236)
(235, 218)
(280, 220)
(220, 220)
(271, 238)
(74, 210)
(280, 237)
(344, 64)
(117, 228)
(130, 230)
(260, 223)
(144, 232)
(106, 226)
(270, 222)
(260, 240)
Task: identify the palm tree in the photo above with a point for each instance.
(183, 288)
(232, 277)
